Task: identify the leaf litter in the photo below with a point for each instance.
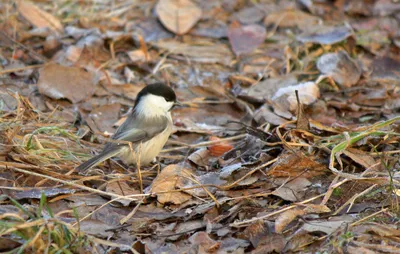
(288, 140)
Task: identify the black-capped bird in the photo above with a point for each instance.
(147, 129)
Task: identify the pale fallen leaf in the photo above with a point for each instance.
(137, 55)
(38, 17)
(325, 35)
(250, 15)
(168, 180)
(72, 83)
(286, 217)
(245, 39)
(327, 226)
(178, 16)
(308, 93)
(341, 67)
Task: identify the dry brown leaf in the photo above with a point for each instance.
(72, 83)
(361, 157)
(38, 17)
(168, 180)
(291, 18)
(286, 217)
(220, 148)
(311, 208)
(295, 164)
(178, 16)
(123, 189)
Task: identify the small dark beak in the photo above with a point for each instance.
(176, 104)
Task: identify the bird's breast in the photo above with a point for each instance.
(148, 150)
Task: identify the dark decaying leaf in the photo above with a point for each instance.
(37, 193)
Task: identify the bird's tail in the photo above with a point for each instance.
(104, 155)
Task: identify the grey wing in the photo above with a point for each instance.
(135, 129)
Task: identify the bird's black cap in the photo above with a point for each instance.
(158, 89)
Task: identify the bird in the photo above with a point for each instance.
(145, 131)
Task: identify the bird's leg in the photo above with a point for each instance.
(156, 162)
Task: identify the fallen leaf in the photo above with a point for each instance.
(361, 157)
(271, 243)
(123, 189)
(200, 157)
(250, 15)
(292, 190)
(227, 171)
(72, 83)
(103, 118)
(167, 181)
(266, 89)
(291, 18)
(204, 240)
(95, 228)
(327, 226)
(302, 122)
(341, 67)
(295, 164)
(37, 193)
(178, 16)
(255, 233)
(326, 35)
(308, 94)
(287, 217)
(220, 148)
(216, 53)
(38, 17)
(245, 39)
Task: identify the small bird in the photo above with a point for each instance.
(147, 129)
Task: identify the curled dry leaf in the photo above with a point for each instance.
(178, 16)
(167, 181)
(38, 17)
(220, 148)
(72, 83)
(341, 67)
(245, 39)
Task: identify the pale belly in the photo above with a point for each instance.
(147, 150)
